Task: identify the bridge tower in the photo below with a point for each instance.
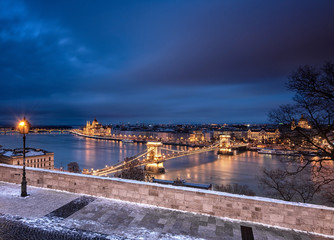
(225, 145)
(154, 154)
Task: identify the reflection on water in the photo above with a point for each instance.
(89, 153)
(209, 167)
(200, 168)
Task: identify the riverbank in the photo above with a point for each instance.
(202, 168)
(136, 140)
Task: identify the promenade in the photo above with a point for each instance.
(51, 214)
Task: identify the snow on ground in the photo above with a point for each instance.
(39, 203)
(57, 225)
(9, 192)
(32, 216)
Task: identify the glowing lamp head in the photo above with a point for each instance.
(24, 126)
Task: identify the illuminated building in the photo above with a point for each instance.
(262, 135)
(303, 123)
(293, 124)
(196, 136)
(96, 128)
(36, 158)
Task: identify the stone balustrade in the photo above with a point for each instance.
(304, 217)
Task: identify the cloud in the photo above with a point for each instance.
(249, 44)
(153, 60)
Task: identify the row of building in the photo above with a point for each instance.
(257, 135)
(196, 136)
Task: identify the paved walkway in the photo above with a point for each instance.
(49, 214)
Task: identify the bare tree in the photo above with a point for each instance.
(235, 188)
(132, 171)
(73, 167)
(327, 194)
(314, 98)
(280, 183)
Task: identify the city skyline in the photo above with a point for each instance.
(156, 61)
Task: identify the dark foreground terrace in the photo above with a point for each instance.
(52, 214)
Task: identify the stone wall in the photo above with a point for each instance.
(306, 217)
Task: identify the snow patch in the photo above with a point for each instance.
(9, 192)
(18, 152)
(56, 225)
(72, 226)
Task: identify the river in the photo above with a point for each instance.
(243, 168)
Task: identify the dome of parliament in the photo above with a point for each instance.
(302, 123)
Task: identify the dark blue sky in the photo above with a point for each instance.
(65, 62)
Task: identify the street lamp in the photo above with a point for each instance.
(23, 128)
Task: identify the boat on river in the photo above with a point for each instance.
(278, 152)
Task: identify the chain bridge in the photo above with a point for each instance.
(155, 155)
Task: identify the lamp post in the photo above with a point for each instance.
(23, 128)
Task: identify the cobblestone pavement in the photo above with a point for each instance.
(84, 217)
(135, 220)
